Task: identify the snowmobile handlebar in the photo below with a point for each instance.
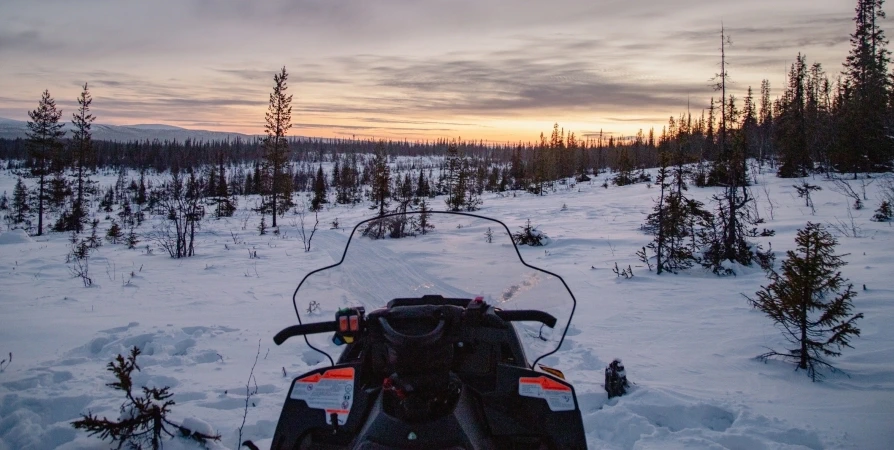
(529, 315)
(301, 330)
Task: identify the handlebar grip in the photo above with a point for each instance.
(527, 315)
(300, 330)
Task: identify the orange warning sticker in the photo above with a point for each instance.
(331, 391)
(558, 396)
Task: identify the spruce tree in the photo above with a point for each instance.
(278, 189)
(320, 189)
(44, 145)
(21, 207)
(810, 301)
(883, 213)
(657, 221)
(380, 192)
(381, 182)
(457, 179)
(791, 131)
(81, 157)
(864, 141)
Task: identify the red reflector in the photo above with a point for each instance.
(355, 323)
(342, 323)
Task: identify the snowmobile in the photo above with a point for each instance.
(435, 316)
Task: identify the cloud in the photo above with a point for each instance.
(444, 64)
(502, 83)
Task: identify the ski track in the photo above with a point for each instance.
(201, 322)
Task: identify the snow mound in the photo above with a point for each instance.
(15, 237)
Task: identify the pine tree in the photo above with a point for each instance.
(625, 168)
(810, 301)
(44, 145)
(765, 125)
(380, 195)
(381, 183)
(114, 233)
(82, 157)
(884, 213)
(424, 225)
(657, 221)
(457, 180)
(422, 188)
(21, 207)
(865, 144)
(219, 192)
(675, 217)
(132, 239)
(320, 189)
(791, 137)
(517, 169)
(278, 189)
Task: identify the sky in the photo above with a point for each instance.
(498, 70)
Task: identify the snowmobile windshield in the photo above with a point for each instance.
(454, 255)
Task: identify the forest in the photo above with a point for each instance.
(836, 125)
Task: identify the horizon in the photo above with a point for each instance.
(489, 70)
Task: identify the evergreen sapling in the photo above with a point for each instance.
(810, 302)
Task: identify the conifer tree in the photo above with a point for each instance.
(21, 207)
(457, 178)
(278, 189)
(381, 183)
(810, 301)
(765, 125)
(82, 158)
(44, 145)
(625, 168)
(380, 195)
(320, 189)
(657, 221)
(114, 233)
(422, 188)
(423, 224)
(517, 168)
(220, 192)
(791, 128)
(864, 141)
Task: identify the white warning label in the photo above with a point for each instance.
(558, 396)
(332, 391)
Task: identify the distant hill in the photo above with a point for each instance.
(12, 129)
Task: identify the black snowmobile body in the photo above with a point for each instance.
(429, 372)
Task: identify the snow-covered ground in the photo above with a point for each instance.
(688, 340)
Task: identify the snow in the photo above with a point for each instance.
(15, 237)
(688, 341)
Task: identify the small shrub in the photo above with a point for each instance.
(883, 213)
(143, 420)
(132, 239)
(529, 235)
(114, 233)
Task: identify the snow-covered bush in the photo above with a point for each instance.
(530, 235)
